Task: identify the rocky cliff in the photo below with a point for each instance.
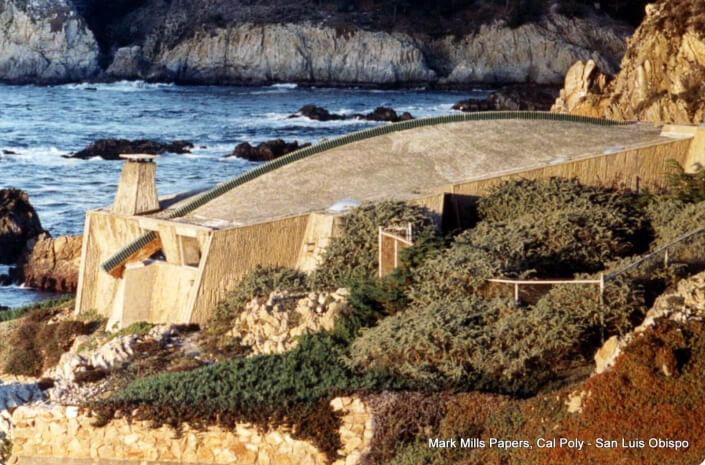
(662, 76)
(214, 42)
(257, 53)
(45, 41)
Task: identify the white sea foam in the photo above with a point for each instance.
(119, 86)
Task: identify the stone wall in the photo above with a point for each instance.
(45, 435)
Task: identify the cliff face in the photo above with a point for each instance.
(251, 53)
(45, 41)
(213, 42)
(662, 76)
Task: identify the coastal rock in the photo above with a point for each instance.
(662, 75)
(50, 264)
(265, 151)
(111, 149)
(128, 63)
(19, 223)
(258, 52)
(387, 114)
(45, 41)
(520, 97)
(539, 53)
(378, 114)
(316, 113)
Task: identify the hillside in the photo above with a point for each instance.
(366, 42)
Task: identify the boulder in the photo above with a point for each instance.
(129, 63)
(385, 114)
(265, 151)
(520, 97)
(111, 149)
(50, 264)
(316, 113)
(19, 223)
(581, 93)
(379, 114)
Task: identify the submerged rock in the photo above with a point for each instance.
(19, 223)
(111, 149)
(265, 151)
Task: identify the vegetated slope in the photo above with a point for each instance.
(409, 332)
(662, 72)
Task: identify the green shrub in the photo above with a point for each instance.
(686, 187)
(139, 328)
(36, 344)
(353, 254)
(538, 197)
(259, 282)
(19, 312)
(490, 344)
(556, 244)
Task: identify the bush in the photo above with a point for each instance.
(291, 389)
(36, 344)
(558, 245)
(353, 254)
(489, 344)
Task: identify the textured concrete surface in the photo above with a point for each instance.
(408, 164)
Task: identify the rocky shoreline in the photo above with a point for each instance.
(46, 42)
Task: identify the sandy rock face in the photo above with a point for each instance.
(662, 76)
(45, 41)
(51, 264)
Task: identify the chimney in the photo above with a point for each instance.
(137, 191)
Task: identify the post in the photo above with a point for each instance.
(665, 258)
(379, 251)
(602, 308)
(516, 292)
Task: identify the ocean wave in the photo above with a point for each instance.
(285, 85)
(119, 86)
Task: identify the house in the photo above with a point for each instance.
(172, 259)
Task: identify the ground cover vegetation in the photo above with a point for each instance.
(434, 326)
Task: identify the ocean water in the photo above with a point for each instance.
(42, 123)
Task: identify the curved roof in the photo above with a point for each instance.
(398, 162)
(406, 164)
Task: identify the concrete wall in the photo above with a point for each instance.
(634, 169)
(62, 435)
(233, 252)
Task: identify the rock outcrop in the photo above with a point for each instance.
(662, 76)
(50, 264)
(18, 224)
(257, 53)
(685, 304)
(521, 97)
(45, 41)
(272, 326)
(317, 113)
(265, 151)
(111, 149)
